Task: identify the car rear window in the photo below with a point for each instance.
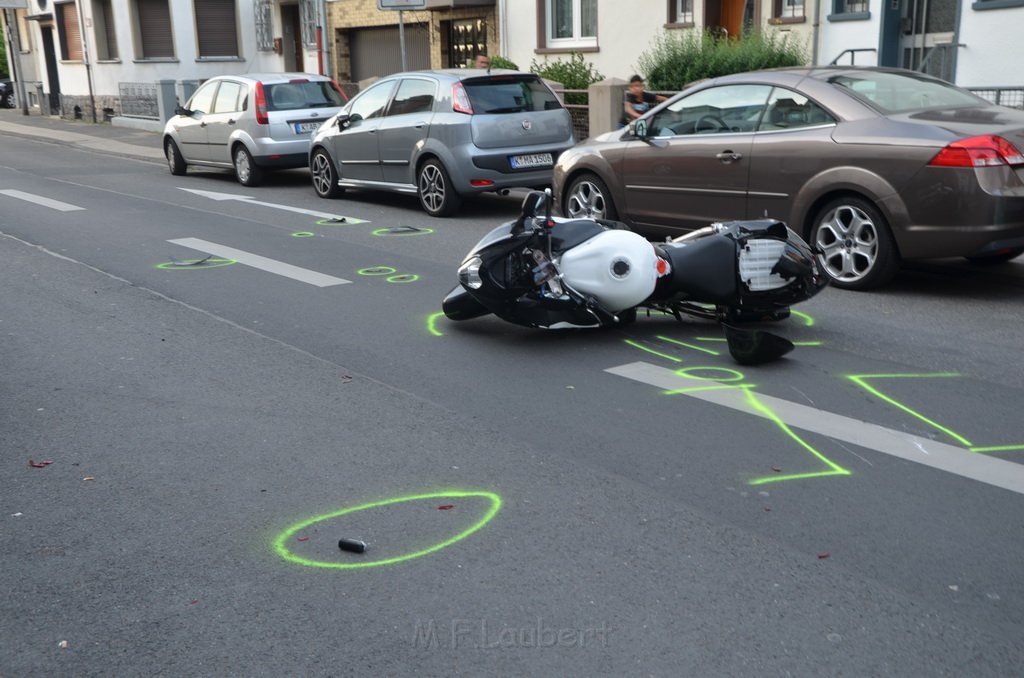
(890, 93)
(287, 96)
(510, 94)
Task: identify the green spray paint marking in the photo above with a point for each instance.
(283, 551)
(808, 343)
(734, 375)
(808, 319)
(303, 234)
(859, 379)
(377, 270)
(683, 343)
(402, 278)
(188, 264)
(432, 323)
(834, 468)
(653, 352)
(758, 406)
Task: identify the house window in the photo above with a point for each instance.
(850, 7)
(264, 26)
(788, 9)
(106, 37)
(680, 11)
(571, 23)
(70, 35)
(155, 40)
(216, 30)
(309, 23)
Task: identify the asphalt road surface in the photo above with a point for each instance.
(182, 447)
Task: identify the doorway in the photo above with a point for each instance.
(730, 18)
(291, 38)
(52, 77)
(921, 35)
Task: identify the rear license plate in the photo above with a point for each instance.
(306, 127)
(534, 160)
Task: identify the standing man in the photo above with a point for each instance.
(482, 61)
(638, 100)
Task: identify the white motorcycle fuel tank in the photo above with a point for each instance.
(618, 268)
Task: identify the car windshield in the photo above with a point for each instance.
(302, 94)
(510, 94)
(890, 93)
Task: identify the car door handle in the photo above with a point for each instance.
(728, 157)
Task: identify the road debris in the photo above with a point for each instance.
(302, 538)
(445, 507)
(63, 644)
(89, 478)
(195, 262)
(823, 555)
(352, 545)
(345, 378)
(40, 464)
(404, 229)
(776, 469)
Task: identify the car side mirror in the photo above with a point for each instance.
(639, 128)
(181, 110)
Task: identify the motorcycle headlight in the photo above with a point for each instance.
(469, 273)
(758, 258)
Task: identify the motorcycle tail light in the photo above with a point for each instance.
(758, 258)
(469, 273)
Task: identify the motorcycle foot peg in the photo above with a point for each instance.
(352, 545)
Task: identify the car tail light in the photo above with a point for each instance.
(480, 183)
(261, 105)
(460, 100)
(983, 151)
(299, 80)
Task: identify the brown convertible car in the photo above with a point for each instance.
(871, 165)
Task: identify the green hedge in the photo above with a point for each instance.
(576, 73)
(502, 62)
(677, 59)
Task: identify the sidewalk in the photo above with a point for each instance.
(102, 137)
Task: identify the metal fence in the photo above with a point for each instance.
(138, 99)
(1002, 96)
(577, 102)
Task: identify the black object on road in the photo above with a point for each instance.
(353, 545)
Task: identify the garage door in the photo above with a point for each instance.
(377, 51)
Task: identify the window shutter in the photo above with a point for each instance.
(155, 29)
(215, 28)
(108, 30)
(72, 34)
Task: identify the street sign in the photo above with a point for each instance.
(395, 4)
(13, 4)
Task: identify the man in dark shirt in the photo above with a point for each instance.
(638, 101)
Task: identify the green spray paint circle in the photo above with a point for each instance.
(733, 374)
(210, 263)
(377, 270)
(388, 233)
(402, 278)
(284, 552)
(303, 234)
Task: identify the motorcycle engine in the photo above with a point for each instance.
(618, 268)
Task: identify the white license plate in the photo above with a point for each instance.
(534, 160)
(306, 127)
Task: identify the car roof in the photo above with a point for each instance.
(271, 78)
(454, 74)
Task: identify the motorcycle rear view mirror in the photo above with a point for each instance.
(755, 347)
(533, 203)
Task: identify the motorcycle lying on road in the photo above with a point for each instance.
(551, 272)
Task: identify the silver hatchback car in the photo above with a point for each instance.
(441, 135)
(250, 122)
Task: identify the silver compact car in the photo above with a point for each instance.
(442, 135)
(252, 123)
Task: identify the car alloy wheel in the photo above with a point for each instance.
(437, 195)
(249, 173)
(325, 177)
(588, 198)
(857, 249)
(10, 101)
